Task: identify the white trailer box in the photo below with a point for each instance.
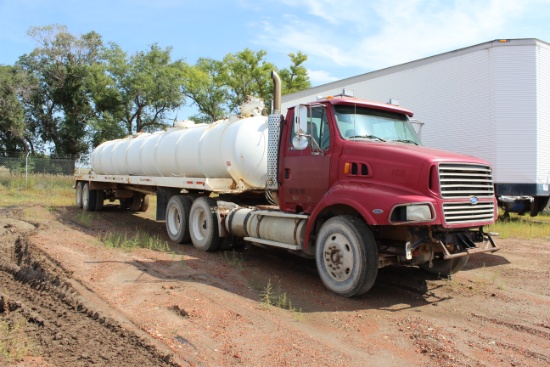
(490, 100)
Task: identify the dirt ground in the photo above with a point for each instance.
(89, 305)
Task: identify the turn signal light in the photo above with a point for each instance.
(347, 168)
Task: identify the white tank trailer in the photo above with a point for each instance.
(233, 148)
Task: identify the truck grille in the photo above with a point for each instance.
(466, 212)
(458, 180)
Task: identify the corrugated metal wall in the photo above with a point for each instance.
(486, 100)
(543, 115)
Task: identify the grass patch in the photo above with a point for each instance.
(138, 240)
(14, 343)
(524, 226)
(43, 189)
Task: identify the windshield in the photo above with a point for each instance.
(361, 123)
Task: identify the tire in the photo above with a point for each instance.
(445, 267)
(203, 225)
(346, 256)
(88, 198)
(538, 205)
(135, 202)
(99, 199)
(144, 203)
(78, 194)
(177, 219)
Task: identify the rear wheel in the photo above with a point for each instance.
(144, 203)
(445, 267)
(78, 193)
(203, 225)
(346, 255)
(99, 199)
(177, 219)
(134, 203)
(88, 198)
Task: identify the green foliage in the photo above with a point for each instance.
(138, 240)
(218, 88)
(60, 105)
(135, 93)
(14, 85)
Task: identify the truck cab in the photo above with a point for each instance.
(362, 162)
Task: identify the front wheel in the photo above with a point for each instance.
(346, 255)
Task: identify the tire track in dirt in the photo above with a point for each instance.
(64, 330)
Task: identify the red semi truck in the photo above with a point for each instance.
(341, 180)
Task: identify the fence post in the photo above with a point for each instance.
(27, 170)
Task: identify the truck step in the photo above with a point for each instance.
(273, 243)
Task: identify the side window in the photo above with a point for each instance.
(317, 128)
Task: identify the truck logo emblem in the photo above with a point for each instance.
(474, 200)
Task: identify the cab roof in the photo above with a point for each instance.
(340, 100)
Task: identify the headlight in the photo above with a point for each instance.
(418, 213)
(421, 212)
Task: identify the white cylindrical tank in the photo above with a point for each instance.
(232, 148)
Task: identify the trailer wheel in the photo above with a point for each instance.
(78, 193)
(99, 199)
(346, 255)
(177, 219)
(144, 203)
(203, 225)
(88, 198)
(445, 267)
(134, 203)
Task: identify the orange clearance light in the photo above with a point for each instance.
(347, 168)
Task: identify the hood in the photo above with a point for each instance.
(405, 167)
(398, 151)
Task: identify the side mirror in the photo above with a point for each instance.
(300, 142)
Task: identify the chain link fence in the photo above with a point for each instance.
(15, 163)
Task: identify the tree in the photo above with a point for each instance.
(295, 79)
(204, 85)
(58, 110)
(14, 85)
(218, 88)
(136, 93)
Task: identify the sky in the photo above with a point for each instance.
(341, 39)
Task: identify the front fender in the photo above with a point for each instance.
(374, 203)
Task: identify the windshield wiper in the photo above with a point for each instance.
(406, 141)
(374, 137)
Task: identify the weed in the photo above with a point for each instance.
(138, 240)
(233, 259)
(14, 343)
(277, 298)
(85, 219)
